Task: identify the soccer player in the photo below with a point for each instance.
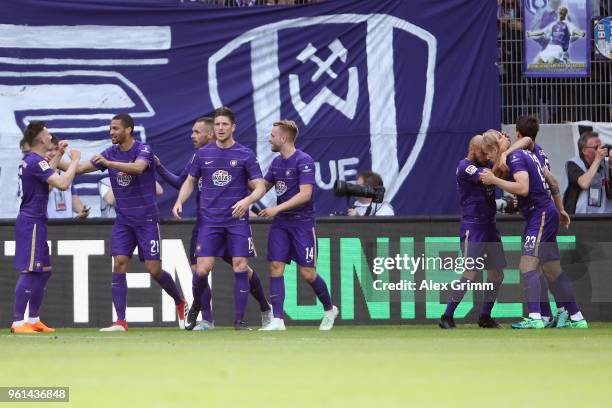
(527, 128)
(131, 168)
(540, 235)
(201, 135)
(292, 235)
(479, 235)
(561, 33)
(231, 181)
(32, 258)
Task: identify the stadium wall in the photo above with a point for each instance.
(79, 293)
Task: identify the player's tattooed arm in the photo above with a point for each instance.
(184, 194)
(300, 198)
(553, 184)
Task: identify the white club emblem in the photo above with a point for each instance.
(287, 172)
(281, 188)
(123, 179)
(221, 178)
(233, 163)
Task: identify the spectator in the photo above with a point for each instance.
(63, 204)
(364, 206)
(588, 178)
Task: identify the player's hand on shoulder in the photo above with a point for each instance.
(63, 145)
(75, 155)
(240, 208)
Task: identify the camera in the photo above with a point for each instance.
(608, 147)
(344, 189)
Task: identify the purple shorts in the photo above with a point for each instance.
(293, 242)
(31, 249)
(540, 234)
(483, 241)
(193, 244)
(225, 241)
(124, 238)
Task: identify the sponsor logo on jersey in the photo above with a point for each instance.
(471, 169)
(44, 166)
(123, 179)
(221, 178)
(281, 187)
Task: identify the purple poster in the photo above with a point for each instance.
(556, 37)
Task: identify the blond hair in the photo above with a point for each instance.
(288, 126)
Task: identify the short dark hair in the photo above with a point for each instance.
(54, 140)
(584, 138)
(32, 131)
(126, 120)
(225, 111)
(207, 120)
(371, 178)
(22, 143)
(528, 126)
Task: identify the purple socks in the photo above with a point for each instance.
(563, 291)
(532, 290)
(241, 293)
(23, 293)
(456, 297)
(258, 293)
(489, 298)
(119, 292)
(167, 283)
(320, 288)
(38, 292)
(277, 295)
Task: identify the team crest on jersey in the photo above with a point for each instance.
(200, 184)
(471, 169)
(233, 163)
(287, 172)
(281, 187)
(44, 166)
(221, 178)
(123, 179)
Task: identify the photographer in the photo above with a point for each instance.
(368, 206)
(588, 177)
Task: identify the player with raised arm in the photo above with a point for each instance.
(131, 168)
(561, 34)
(540, 234)
(32, 258)
(231, 181)
(292, 235)
(201, 135)
(480, 238)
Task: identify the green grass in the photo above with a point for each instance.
(373, 366)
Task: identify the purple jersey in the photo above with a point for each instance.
(33, 174)
(287, 175)
(560, 35)
(224, 174)
(477, 200)
(539, 194)
(542, 157)
(134, 194)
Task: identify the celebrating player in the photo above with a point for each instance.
(201, 135)
(561, 33)
(32, 258)
(479, 235)
(540, 235)
(527, 128)
(292, 235)
(227, 170)
(131, 168)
